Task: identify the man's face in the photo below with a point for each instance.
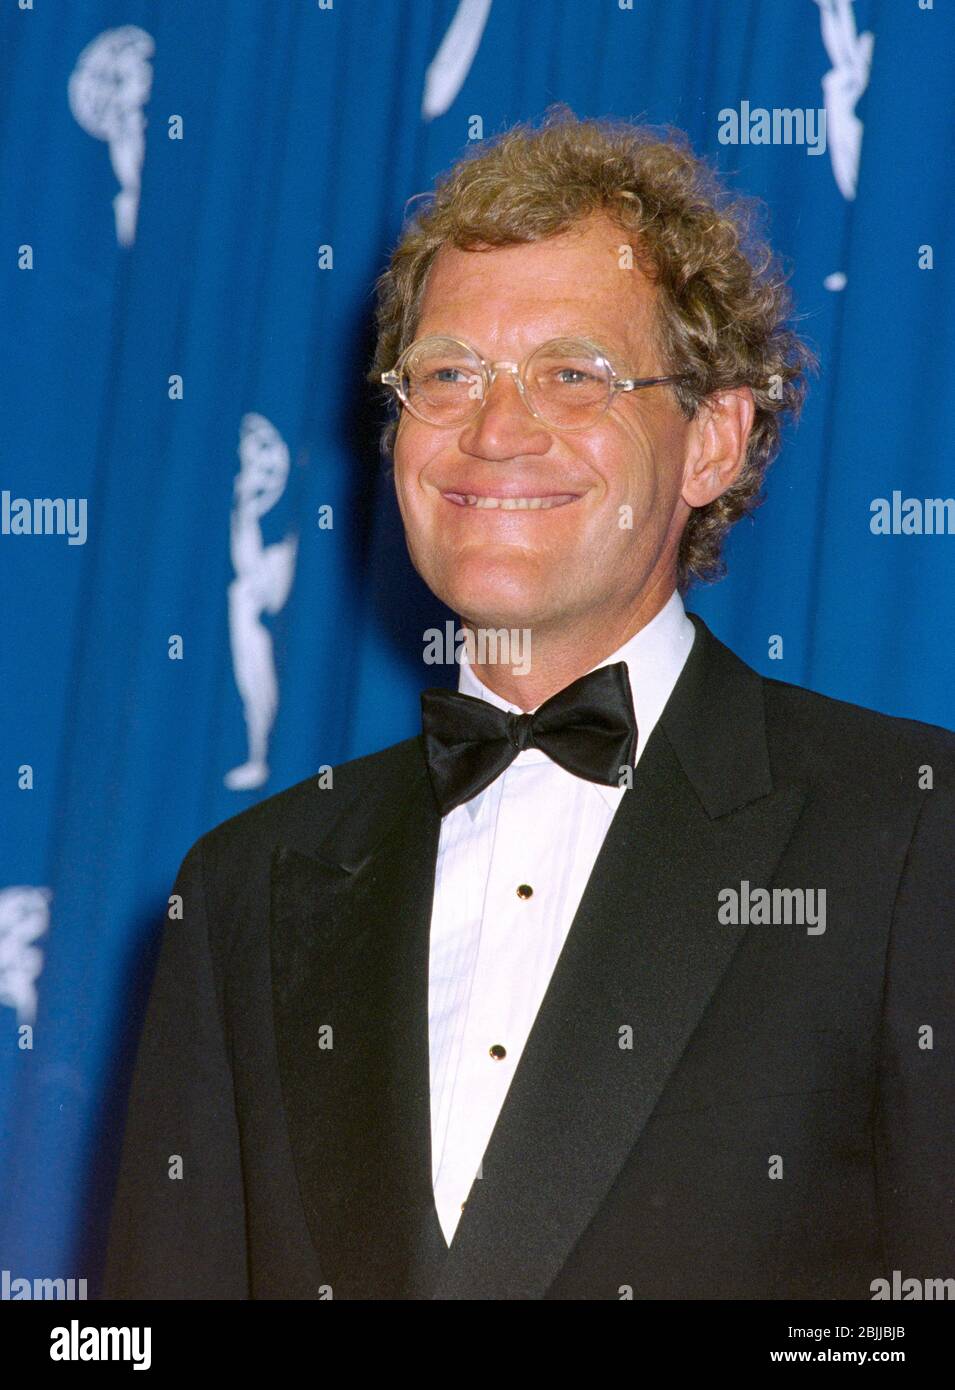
(551, 567)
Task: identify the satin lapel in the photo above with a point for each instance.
(349, 946)
(645, 952)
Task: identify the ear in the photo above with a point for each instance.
(717, 445)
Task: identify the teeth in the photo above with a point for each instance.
(512, 504)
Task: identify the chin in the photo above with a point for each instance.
(491, 598)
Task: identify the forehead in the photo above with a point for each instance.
(581, 281)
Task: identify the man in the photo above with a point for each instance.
(632, 976)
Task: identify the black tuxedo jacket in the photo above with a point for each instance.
(783, 1125)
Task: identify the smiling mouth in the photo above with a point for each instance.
(509, 504)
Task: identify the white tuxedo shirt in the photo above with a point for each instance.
(492, 948)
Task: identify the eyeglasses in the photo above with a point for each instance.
(567, 383)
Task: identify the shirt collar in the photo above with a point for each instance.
(655, 656)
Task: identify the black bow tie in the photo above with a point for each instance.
(588, 728)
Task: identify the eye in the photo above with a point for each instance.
(573, 376)
(438, 373)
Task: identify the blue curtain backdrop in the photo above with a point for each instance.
(239, 259)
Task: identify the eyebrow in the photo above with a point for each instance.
(613, 354)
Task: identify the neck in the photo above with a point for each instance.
(562, 655)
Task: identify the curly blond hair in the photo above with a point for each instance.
(723, 306)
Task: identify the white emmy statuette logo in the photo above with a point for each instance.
(452, 62)
(24, 916)
(264, 575)
(851, 56)
(107, 91)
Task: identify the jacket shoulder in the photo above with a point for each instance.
(306, 814)
(863, 743)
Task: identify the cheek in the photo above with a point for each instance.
(404, 473)
(414, 503)
(620, 464)
(638, 467)
(635, 500)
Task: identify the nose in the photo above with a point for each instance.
(504, 427)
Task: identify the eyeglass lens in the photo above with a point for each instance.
(566, 382)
